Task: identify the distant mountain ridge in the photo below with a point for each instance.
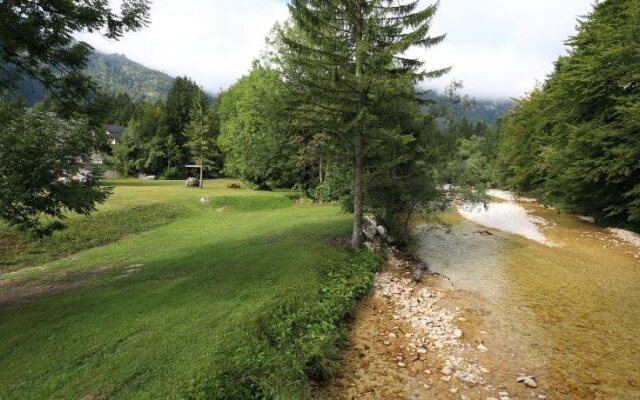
(115, 74)
(472, 109)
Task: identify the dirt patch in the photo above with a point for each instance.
(16, 292)
(338, 241)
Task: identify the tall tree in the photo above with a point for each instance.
(179, 104)
(574, 142)
(346, 60)
(36, 39)
(254, 132)
(143, 148)
(200, 141)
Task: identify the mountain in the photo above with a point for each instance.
(486, 110)
(114, 73)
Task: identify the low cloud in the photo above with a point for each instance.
(498, 48)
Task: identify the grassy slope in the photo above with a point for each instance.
(171, 305)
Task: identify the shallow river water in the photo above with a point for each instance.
(558, 297)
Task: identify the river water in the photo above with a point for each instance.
(556, 296)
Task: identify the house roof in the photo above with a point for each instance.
(115, 131)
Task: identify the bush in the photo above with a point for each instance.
(297, 338)
(173, 173)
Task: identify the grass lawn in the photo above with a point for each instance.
(159, 295)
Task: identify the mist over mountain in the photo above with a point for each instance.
(474, 109)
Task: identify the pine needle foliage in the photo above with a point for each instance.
(346, 61)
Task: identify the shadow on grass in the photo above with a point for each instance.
(150, 331)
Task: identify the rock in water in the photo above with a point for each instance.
(527, 380)
(419, 271)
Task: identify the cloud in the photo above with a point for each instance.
(498, 48)
(213, 42)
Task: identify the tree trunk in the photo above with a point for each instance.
(201, 182)
(358, 176)
(358, 193)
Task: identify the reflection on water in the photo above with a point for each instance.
(507, 217)
(570, 314)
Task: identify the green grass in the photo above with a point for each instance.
(174, 298)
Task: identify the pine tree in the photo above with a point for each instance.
(345, 61)
(180, 101)
(198, 134)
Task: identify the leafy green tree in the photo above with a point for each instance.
(254, 129)
(574, 141)
(200, 141)
(143, 148)
(45, 168)
(346, 63)
(36, 39)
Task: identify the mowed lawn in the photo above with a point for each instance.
(156, 291)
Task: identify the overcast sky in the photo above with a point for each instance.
(498, 48)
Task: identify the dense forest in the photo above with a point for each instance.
(571, 142)
(574, 142)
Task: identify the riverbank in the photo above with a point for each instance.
(566, 314)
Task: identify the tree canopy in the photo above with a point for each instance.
(59, 179)
(346, 64)
(575, 141)
(254, 130)
(199, 135)
(36, 39)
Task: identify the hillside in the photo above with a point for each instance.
(115, 73)
(487, 110)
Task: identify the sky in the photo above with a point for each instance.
(497, 48)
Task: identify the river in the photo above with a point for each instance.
(556, 296)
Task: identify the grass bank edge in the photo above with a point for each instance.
(296, 338)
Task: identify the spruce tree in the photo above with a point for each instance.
(198, 134)
(180, 100)
(346, 62)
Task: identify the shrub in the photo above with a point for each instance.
(297, 337)
(173, 173)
